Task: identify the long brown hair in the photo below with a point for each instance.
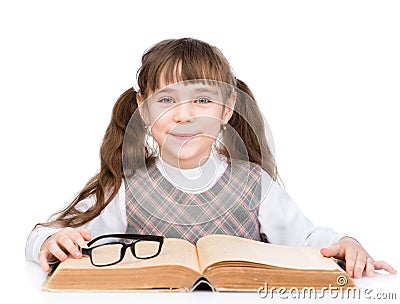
(197, 60)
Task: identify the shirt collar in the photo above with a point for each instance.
(191, 180)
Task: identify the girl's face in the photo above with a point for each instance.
(185, 120)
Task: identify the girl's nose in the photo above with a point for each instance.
(183, 112)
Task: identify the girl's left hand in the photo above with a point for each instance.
(357, 258)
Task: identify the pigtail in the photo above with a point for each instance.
(106, 184)
(253, 136)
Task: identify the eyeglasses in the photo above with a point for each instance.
(111, 248)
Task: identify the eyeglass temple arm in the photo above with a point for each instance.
(83, 250)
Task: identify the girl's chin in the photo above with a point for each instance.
(185, 159)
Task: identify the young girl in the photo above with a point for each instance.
(185, 156)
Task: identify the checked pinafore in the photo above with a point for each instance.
(155, 206)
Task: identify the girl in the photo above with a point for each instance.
(185, 156)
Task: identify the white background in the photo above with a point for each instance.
(325, 73)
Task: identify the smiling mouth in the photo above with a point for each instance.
(183, 136)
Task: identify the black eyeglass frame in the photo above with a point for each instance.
(137, 237)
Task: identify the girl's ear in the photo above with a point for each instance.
(139, 98)
(142, 108)
(229, 107)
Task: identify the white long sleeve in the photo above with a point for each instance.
(111, 220)
(280, 218)
(283, 222)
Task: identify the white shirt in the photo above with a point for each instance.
(279, 216)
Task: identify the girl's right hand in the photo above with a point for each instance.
(61, 243)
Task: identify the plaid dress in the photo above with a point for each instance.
(155, 206)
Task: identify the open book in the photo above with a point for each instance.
(225, 263)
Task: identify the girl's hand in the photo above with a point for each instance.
(357, 259)
(58, 245)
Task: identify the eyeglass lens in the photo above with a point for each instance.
(145, 249)
(107, 254)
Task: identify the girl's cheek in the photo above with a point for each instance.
(158, 113)
(159, 120)
(211, 126)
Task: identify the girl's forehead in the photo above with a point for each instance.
(188, 87)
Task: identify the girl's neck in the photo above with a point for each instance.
(186, 164)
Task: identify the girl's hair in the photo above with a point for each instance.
(169, 61)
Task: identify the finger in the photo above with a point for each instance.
(54, 249)
(350, 259)
(86, 234)
(43, 261)
(75, 237)
(360, 264)
(381, 265)
(69, 245)
(369, 268)
(333, 251)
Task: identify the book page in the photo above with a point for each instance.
(218, 248)
(174, 252)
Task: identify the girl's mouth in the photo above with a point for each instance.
(182, 136)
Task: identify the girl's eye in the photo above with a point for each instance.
(166, 100)
(202, 100)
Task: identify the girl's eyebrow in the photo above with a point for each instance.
(207, 90)
(165, 90)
